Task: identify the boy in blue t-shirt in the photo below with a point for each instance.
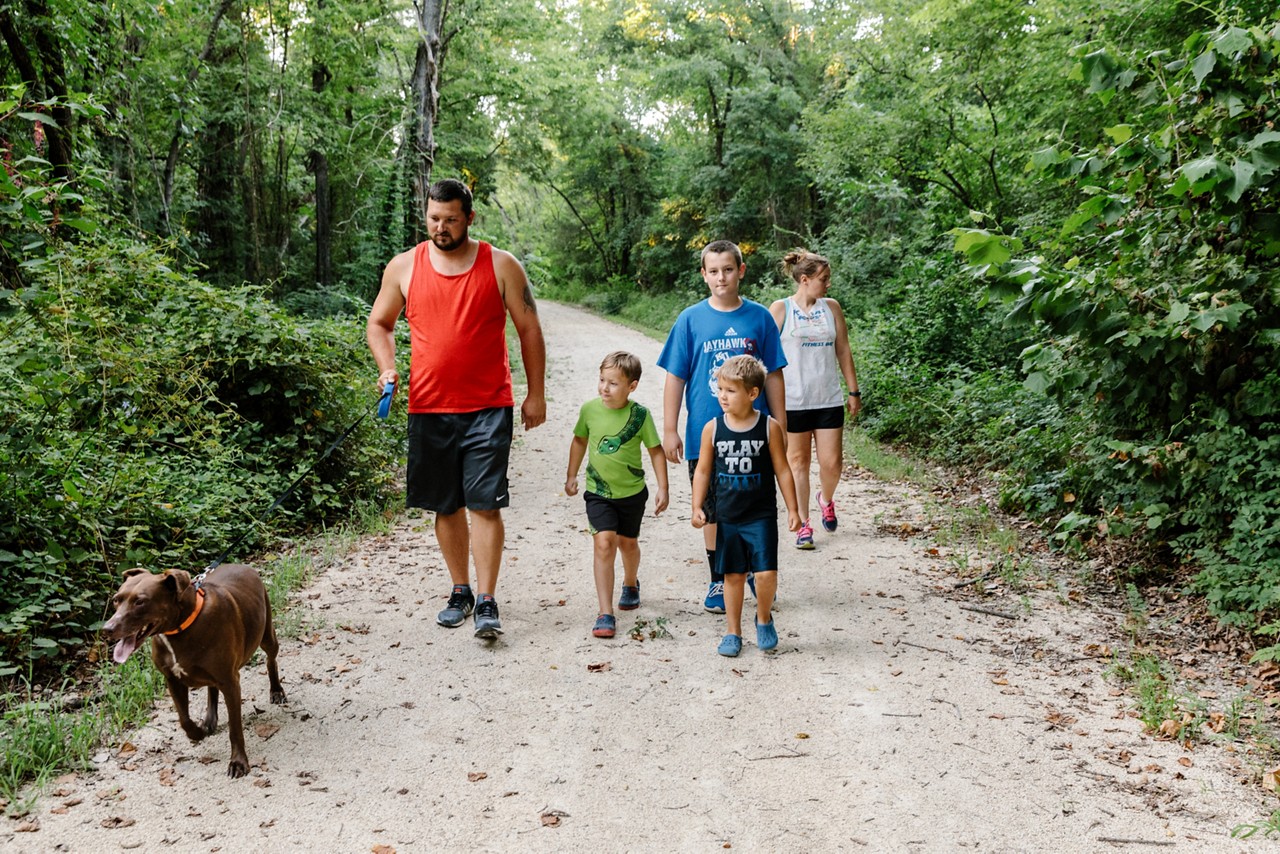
(610, 432)
(703, 338)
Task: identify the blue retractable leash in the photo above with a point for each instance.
(384, 409)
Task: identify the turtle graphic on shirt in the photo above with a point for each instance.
(612, 444)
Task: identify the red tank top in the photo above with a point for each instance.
(458, 358)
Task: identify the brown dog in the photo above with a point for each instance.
(199, 638)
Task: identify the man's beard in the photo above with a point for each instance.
(445, 244)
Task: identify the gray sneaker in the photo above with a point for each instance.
(487, 623)
(461, 604)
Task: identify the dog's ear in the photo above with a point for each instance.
(130, 573)
(177, 580)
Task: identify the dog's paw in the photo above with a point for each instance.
(195, 731)
(238, 768)
(278, 697)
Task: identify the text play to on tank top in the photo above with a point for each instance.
(743, 472)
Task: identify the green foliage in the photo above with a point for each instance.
(147, 418)
(1156, 304)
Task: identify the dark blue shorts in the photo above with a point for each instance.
(750, 546)
(620, 515)
(459, 459)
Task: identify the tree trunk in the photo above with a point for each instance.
(318, 165)
(175, 142)
(426, 101)
(48, 81)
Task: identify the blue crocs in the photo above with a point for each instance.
(606, 626)
(730, 646)
(630, 599)
(766, 635)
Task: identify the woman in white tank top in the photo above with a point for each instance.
(815, 341)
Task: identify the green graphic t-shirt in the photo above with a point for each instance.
(614, 437)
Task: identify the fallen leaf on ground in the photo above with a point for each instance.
(265, 731)
(802, 735)
(1271, 780)
(28, 827)
(551, 818)
(118, 821)
(600, 667)
(168, 776)
(476, 776)
(383, 849)
(128, 748)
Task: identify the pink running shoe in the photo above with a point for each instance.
(828, 509)
(804, 537)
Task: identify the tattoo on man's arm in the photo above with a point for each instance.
(528, 299)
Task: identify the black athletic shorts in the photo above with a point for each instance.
(708, 503)
(750, 546)
(620, 515)
(804, 420)
(459, 459)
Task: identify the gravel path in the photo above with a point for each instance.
(889, 719)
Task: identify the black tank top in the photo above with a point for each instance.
(744, 472)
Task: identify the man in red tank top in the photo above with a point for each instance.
(456, 293)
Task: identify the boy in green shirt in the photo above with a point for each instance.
(609, 432)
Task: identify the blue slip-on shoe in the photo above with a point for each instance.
(715, 597)
(766, 635)
(630, 598)
(605, 626)
(730, 646)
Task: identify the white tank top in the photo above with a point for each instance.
(809, 342)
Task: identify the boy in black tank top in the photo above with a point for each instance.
(742, 454)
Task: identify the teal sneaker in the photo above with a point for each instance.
(766, 635)
(730, 646)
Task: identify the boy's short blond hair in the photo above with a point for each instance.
(623, 361)
(747, 370)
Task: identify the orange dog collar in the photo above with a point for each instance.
(186, 624)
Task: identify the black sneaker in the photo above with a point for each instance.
(487, 623)
(461, 604)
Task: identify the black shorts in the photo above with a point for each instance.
(620, 515)
(804, 420)
(459, 459)
(709, 503)
(750, 546)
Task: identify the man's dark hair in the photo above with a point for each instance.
(451, 190)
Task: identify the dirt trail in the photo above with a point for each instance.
(889, 719)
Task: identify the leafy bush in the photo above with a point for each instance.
(148, 418)
(1156, 307)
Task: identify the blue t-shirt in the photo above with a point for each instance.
(704, 338)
